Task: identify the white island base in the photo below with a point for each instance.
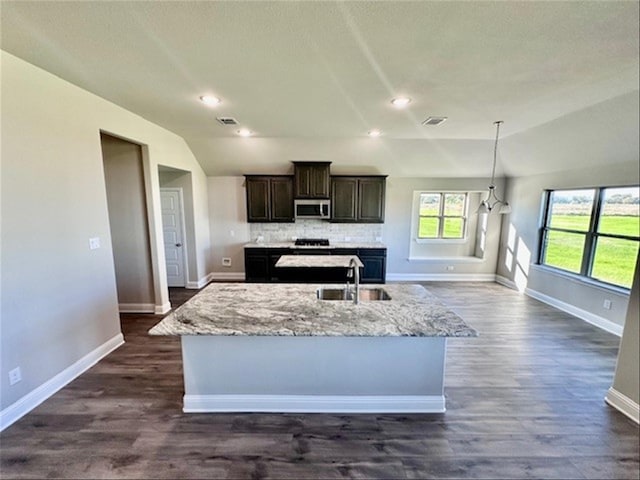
(313, 374)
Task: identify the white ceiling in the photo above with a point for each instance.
(311, 78)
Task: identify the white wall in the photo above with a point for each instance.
(398, 234)
(228, 225)
(626, 381)
(520, 240)
(58, 297)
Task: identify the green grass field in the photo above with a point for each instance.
(428, 228)
(614, 260)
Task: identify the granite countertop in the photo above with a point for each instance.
(323, 261)
(261, 309)
(315, 247)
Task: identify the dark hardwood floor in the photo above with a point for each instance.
(525, 400)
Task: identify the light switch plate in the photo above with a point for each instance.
(94, 243)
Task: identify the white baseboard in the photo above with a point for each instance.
(228, 276)
(441, 277)
(623, 404)
(315, 403)
(162, 309)
(588, 317)
(200, 283)
(136, 308)
(225, 276)
(506, 282)
(34, 398)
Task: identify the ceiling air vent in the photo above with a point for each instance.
(227, 120)
(434, 121)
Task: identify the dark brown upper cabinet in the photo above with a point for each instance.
(311, 179)
(357, 199)
(269, 198)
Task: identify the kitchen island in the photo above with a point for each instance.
(279, 348)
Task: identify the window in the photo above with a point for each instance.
(593, 232)
(442, 215)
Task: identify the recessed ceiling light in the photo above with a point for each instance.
(400, 102)
(245, 132)
(210, 100)
(374, 133)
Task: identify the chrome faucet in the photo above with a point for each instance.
(355, 271)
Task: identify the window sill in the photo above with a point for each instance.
(581, 280)
(441, 241)
(447, 259)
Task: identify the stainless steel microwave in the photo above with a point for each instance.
(312, 209)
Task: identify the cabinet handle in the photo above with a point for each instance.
(178, 244)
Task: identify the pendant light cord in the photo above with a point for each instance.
(495, 152)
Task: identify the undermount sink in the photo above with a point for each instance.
(366, 294)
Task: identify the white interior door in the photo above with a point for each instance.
(172, 225)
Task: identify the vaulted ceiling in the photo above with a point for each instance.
(310, 79)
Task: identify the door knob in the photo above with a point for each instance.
(178, 244)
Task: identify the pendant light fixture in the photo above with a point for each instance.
(492, 200)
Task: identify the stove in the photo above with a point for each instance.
(312, 242)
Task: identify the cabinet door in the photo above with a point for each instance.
(256, 265)
(258, 199)
(275, 273)
(311, 179)
(302, 181)
(373, 271)
(319, 180)
(371, 200)
(344, 191)
(375, 265)
(282, 199)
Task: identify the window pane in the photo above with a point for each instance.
(564, 250)
(620, 214)
(453, 228)
(454, 204)
(615, 261)
(571, 209)
(429, 204)
(428, 227)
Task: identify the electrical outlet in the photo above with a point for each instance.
(347, 239)
(15, 376)
(450, 268)
(94, 243)
(226, 262)
(607, 304)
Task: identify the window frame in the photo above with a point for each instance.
(591, 235)
(441, 217)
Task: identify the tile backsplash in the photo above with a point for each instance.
(335, 232)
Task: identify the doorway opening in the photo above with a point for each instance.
(128, 223)
(178, 226)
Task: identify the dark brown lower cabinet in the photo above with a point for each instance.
(256, 265)
(260, 266)
(375, 263)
